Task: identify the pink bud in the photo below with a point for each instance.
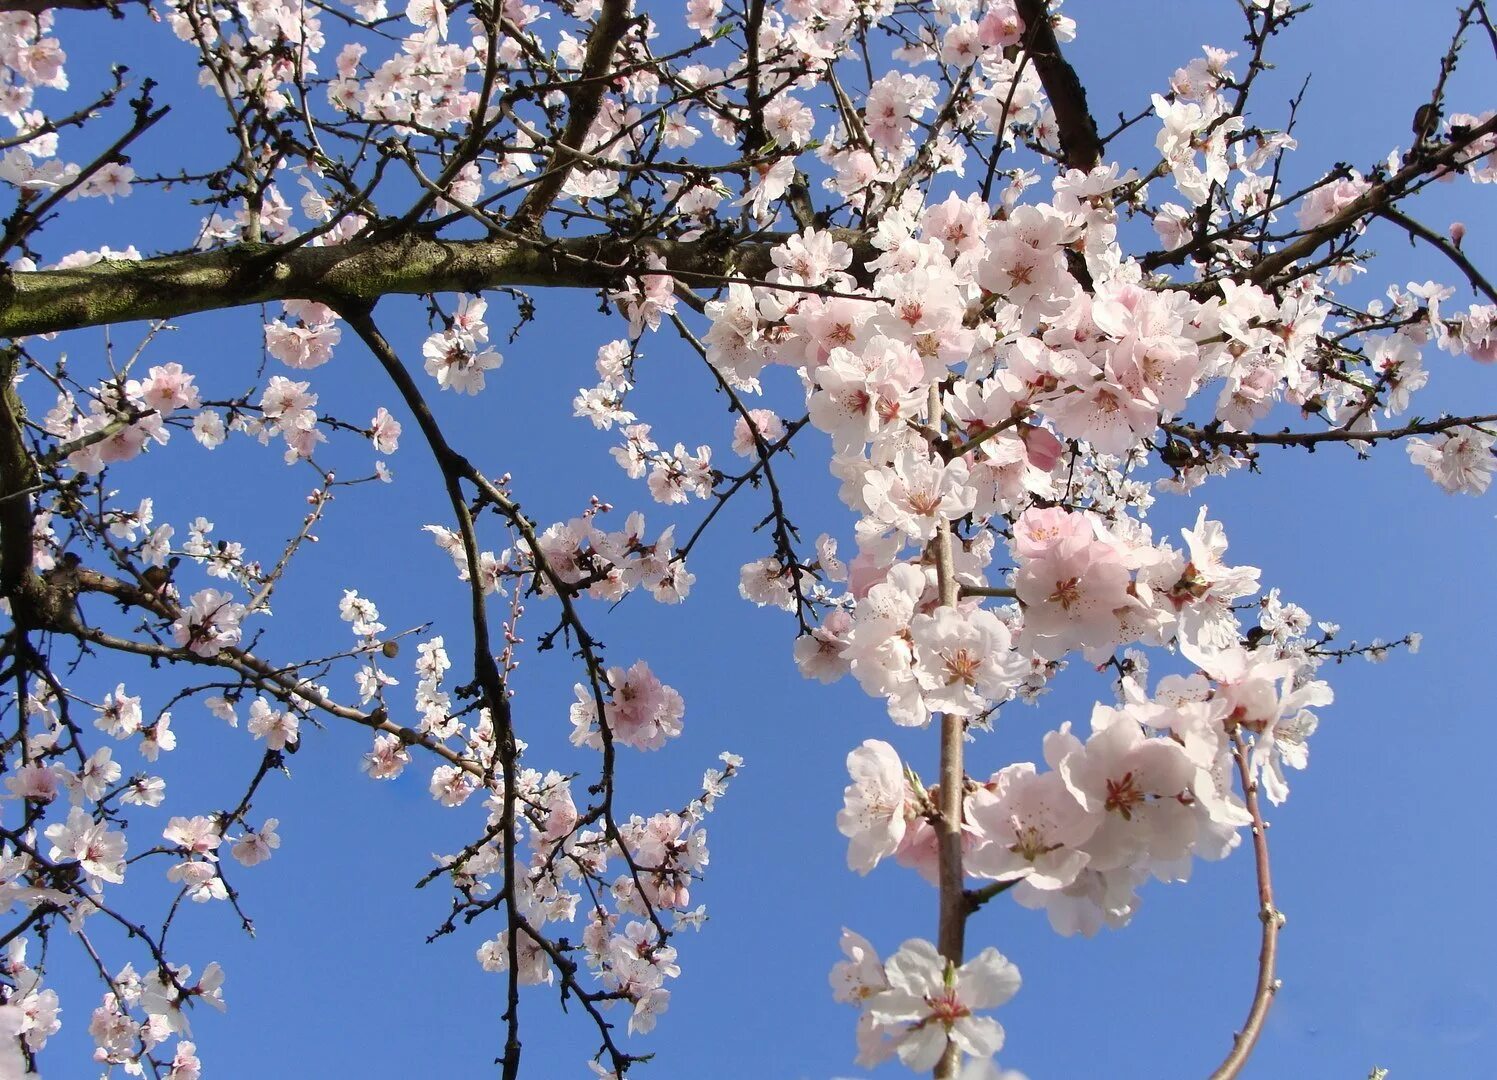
(1457, 233)
(1043, 447)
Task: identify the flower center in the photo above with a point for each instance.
(1123, 795)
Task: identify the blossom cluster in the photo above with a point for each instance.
(1006, 379)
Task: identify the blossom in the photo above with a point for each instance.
(185, 1064)
(167, 388)
(157, 737)
(290, 404)
(965, 662)
(819, 653)
(644, 712)
(1206, 588)
(120, 714)
(929, 1002)
(93, 845)
(278, 729)
(145, 791)
(876, 805)
(1459, 460)
(1139, 785)
(200, 881)
(454, 358)
(918, 492)
(35, 780)
(1071, 592)
(451, 786)
(1331, 199)
(772, 180)
(361, 612)
(767, 583)
(12, 1058)
(861, 975)
(645, 300)
(197, 835)
(1034, 829)
(384, 432)
(210, 624)
(766, 426)
(388, 758)
(430, 15)
(861, 393)
(306, 346)
(97, 774)
(647, 1008)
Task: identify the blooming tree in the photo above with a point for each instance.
(899, 242)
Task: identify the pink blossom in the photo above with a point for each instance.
(926, 1004)
(97, 849)
(876, 805)
(210, 624)
(1331, 199)
(1035, 828)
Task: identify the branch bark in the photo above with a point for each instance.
(17, 474)
(585, 100)
(1273, 920)
(954, 903)
(1370, 202)
(36, 7)
(1423, 232)
(1080, 145)
(361, 271)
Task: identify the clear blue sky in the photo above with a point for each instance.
(1382, 856)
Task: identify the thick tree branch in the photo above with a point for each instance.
(955, 905)
(1370, 202)
(171, 286)
(36, 7)
(18, 474)
(585, 99)
(1080, 145)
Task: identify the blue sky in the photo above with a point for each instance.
(1382, 856)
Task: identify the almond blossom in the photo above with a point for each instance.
(928, 1002)
(876, 805)
(210, 624)
(900, 225)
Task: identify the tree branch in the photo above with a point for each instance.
(1272, 919)
(1369, 202)
(585, 99)
(1080, 145)
(170, 286)
(1200, 436)
(954, 903)
(1449, 250)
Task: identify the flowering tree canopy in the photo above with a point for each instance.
(892, 239)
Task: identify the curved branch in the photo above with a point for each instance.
(1273, 920)
(485, 668)
(1448, 249)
